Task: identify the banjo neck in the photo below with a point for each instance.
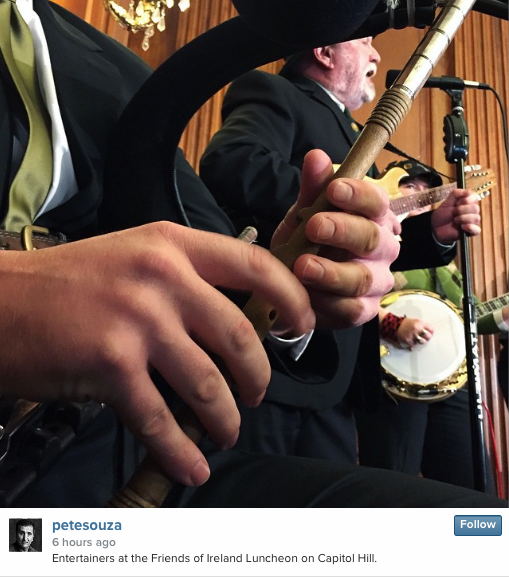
(487, 307)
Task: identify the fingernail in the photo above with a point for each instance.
(341, 192)
(200, 473)
(312, 271)
(326, 229)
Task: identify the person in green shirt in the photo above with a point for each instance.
(432, 439)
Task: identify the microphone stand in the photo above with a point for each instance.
(456, 151)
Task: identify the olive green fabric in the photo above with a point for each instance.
(32, 182)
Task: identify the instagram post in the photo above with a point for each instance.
(255, 265)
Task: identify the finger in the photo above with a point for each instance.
(201, 385)
(224, 331)
(234, 264)
(426, 334)
(468, 221)
(347, 279)
(458, 195)
(343, 312)
(356, 234)
(317, 172)
(148, 417)
(468, 209)
(363, 198)
(464, 196)
(471, 229)
(220, 329)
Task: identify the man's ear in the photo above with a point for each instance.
(323, 56)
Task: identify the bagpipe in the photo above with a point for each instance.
(264, 31)
(146, 147)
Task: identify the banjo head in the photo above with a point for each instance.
(432, 371)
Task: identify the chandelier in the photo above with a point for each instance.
(146, 15)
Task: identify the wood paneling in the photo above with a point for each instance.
(78, 7)
(479, 52)
(487, 62)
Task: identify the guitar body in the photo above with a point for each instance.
(389, 181)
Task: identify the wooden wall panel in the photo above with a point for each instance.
(479, 52)
(78, 7)
(487, 61)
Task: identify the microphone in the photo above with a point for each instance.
(308, 23)
(394, 15)
(442, 82)
(388, 15)
(302, 24)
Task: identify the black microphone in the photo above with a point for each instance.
(417, 14)
(392, 15)
(443, 82)
(308, 23)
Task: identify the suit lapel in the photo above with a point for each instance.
(79, 71)
(317, 93)
(81, 76)
(346, 123)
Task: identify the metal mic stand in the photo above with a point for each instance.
(456, 151)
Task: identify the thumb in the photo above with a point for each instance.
(317, 172)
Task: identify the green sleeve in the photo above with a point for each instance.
(486, 325)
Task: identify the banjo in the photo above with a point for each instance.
(436, 370)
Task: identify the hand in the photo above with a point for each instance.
(89, 320)
(351, 273)
(460, 211)
(413, 332)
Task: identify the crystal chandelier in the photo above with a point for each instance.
(146, 15)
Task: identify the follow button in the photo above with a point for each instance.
(478, 525)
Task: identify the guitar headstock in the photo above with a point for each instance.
(480, 180)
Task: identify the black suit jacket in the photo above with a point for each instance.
(270, 122)
(95, 77)
(253, 167)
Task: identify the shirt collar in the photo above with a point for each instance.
(333, 97)
(27, 3)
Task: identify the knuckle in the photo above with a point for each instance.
(257, 259)
(359, 311)
(342, 226)
(364, 281)
(113, 357)
(156, 424)
(239, 337)
(387, 283)
(162, 228)
(154, 263)
(207, 391)
(372, 238)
